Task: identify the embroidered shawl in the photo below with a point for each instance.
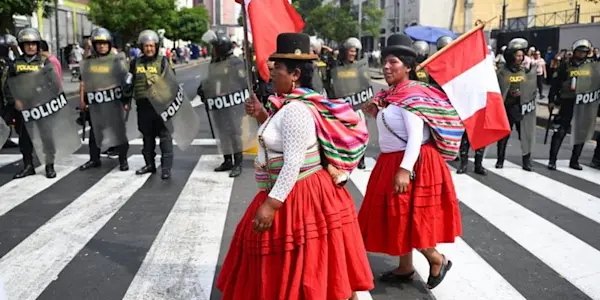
(342, 133)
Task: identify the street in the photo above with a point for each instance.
(108, 235)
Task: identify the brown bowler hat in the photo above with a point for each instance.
(293, 46)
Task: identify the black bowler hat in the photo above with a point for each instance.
(400, 45)
(293, 46)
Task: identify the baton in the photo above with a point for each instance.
(548, 124)
(83, 121)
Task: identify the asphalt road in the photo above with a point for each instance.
(104, 234)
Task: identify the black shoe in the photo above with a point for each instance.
(574, 162)
(225, 166)
(501, 153)
(90, 164)
(166, 174)
(235, 171)
(123, 166)
(361, 164)
(10, 144)
(595, 164)
(28, 170)
(463, 167)
(145, 170)
(50, 172)
(526, 163)
(479, 169)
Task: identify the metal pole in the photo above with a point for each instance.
(57, 51)
(504, 5)
(360, 2)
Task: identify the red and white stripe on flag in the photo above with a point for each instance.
(465, 70)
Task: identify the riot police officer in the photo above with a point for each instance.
(596, 159)
(422, 50)
(102, 42)
(562, 81)
(320, 66)
(144, 68)
(227, 124)
(31, 60)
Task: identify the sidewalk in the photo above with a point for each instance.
(71, 87)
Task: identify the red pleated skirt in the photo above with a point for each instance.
(313, 251)
(425, 215)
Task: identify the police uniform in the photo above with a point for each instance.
(566, 99)
(21, 65)
(422, 50)
(229, 130)
(596, 159)
(102, 35)
(150, 123)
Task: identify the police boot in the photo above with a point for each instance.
(10, 144)
(227, 165)
(28, 168)
(596, 159)
(574, 163)
(361, 163)
(236, 170)
(166, 162)
(526, 163)
(123, 164)
(501, 152)
(464, 157)
(557, 139)
(479, 169)
(50, 172)
(90, 164)
(150, 166)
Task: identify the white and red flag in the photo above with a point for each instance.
(465, 70)
(267, 19)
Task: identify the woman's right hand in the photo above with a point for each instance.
(252, 106)
(371, 108)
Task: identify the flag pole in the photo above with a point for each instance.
(478, 25)
(248, 54)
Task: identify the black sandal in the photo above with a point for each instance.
(434, 281)
(390, 276)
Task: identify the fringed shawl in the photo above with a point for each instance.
(342, 133)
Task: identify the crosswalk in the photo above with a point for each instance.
(106, 234)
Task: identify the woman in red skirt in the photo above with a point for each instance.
(410, 202)
(299, 238)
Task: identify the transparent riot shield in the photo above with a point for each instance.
(317, 80)
(225, 90)
(4, 132)
(352, 83)
(175, 109)
(43, 105)
(528, 90)
(587, 101)
(103, 81)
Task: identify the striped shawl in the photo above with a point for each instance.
(434, 108)
(342, 133)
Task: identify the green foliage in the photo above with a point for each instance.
(8, 8)
(333, 23)
(130, 17)
(371, 19)
(188, 24)
(304, 8)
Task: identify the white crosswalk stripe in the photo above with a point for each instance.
(512, 219)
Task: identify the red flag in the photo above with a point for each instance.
(466, 73)
(269, 18)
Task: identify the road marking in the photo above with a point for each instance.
(534, 233)
(589, 174)
(197, 76)
(183, 258)
(573, 199)
(471, 276)
(197, 101)
(7, 159)
(18, 191)
(33, 264)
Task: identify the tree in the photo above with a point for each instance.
(304, 8)
(8, 8)
(371, 19)
(129, 18)
(334, 23)
(189, 24)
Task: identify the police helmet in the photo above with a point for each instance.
(101, 35)
(443, 42)
(148, 36)
(582, 45)
(11, 40)
(422, 48)
(3, 47)
(29, 35)
(315, 44)
(517, 44)
(353, 43)
(220, 41)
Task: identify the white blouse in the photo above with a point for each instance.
(405, 125)
(288, 133)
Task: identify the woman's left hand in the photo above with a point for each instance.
(401, 181)
(265, 214)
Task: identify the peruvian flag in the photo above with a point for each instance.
(267, 19)
(465, 70)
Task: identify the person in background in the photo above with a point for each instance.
(540, 65)
(45, 51)
(500, 61)
(528, 59)
(77, 53)
(596, 54)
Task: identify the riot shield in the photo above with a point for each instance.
(4, 132)
(352, 83)
(43, 105)
(586, 102)
(104, 79)
(175, 109)
(317, 80)
(225, 90)
(528, 91)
